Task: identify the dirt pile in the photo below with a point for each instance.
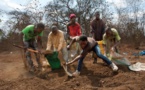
(13, 76)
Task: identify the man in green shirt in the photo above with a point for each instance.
(31, 37)
(111, 39)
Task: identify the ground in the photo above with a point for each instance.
(13, 75)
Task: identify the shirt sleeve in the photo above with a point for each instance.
(79, 30)
(49, 42)
(103, 27)
(60, 41)
(92, 26)
(26, 30)
(117, 37)
(104, 39)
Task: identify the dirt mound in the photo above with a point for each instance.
(98, 76)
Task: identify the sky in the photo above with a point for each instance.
(8, 5)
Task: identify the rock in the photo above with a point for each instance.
(77, 83)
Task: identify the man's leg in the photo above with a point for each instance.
(37, 55)
(28, 55)
(65, 54)
(116, 50)
(95, 58)
(96, 49)
(80, 63)
(78, 48)
(38, 60)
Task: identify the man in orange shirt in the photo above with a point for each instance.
(73, 30)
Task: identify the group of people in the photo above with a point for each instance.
(74, 41)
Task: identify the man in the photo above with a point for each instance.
(30, 33)
(98, 29)
(73, 30)
(56, 42)
(87, 45)
(111, 40)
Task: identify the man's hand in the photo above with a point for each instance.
(112, 48)
(39, 51)
(71, 37)
(68, 47)
(43, 52)
(47, 52)
(64, 63)
(105, 54)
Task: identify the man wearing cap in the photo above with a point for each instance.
(98, 29)
(73, 30)
(56, 42)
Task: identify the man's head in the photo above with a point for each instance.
(108, 32)
(83, 41)
(72, 18)
(54, 29)
(39, 27)
(97, 15)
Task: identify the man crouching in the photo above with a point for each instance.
(88, 44)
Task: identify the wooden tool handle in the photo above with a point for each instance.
(31, 50)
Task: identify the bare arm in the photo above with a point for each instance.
(116, 44)
(105, 49)
(76, 59)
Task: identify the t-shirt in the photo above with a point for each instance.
(29, 33)
(56, 41)
(115, 37)
(74, 30)
(90, 45)
(111, 40)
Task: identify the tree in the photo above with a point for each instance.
(129, 22)
(84, 10)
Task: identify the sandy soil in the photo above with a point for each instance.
(13, 75)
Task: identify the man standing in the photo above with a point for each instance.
(73, 27)
(73, 30)
(98, 29)
(56, 42)
(30, 33)
(88, 44)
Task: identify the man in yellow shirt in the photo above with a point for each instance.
(111, 39)
(56, 42)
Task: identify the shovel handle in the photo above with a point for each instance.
(31, 50)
